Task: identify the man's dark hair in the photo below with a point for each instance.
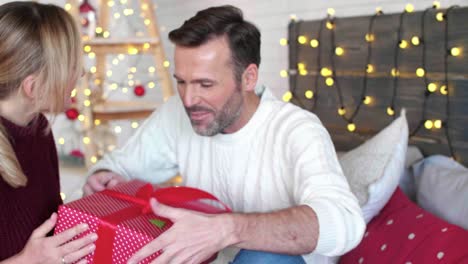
(227, 20)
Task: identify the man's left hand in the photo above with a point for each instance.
(193, 237)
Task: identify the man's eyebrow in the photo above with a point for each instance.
(201, 80)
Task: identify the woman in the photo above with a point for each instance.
(40, 63)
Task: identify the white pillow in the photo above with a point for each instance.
(442, 188)
(374, 168)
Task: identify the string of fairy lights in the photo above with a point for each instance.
(330, 78)
(137, 77)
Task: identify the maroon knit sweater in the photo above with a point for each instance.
(23, 209)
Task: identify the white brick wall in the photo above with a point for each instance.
(272, 18)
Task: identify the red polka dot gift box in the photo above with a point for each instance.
(405, 233)
(123, 220)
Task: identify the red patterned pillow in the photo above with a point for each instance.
(405, 233)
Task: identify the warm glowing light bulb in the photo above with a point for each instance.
(115, 61)
(166, 64)
(415, 41)
(351, 127)
(87, 48)
(370, 68)
(81, 118)
(99, 30)
(403, 44)
(132, 50)
(339, 51)
(86, 140)
(341, 111)
(68, 6)
(409, 8)
(436, 4)
(303, 72)
(146, 45)
(325, 72)
(61, 141)
(420, 72)
(134, 125)
(91, 55)
(106, 34)
(128, 11)
(301, 66)
(443, 90)
(390, 111)
(151, 85)
(114, 86)
(330, 25)
(97, 122)
(287, 96)
(432, 87)
(428, 124)
(379, 10)
(455, 51)
(331, 11)
(151, 69)
(370, 37)
(302, 39)
(309, 94)
(329, 81)
(117, 129)
(93, 159)
(395, 72)
(125, 90)
(110, 3)
(293, 17)
(284, 73)
(116, 15)
(440, 16)
(367, 100)
(93, 69)
(438, 123)
(109, 73)
(283, 42)
(314, 43)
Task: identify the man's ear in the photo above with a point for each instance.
(250, 78)
(28, 86)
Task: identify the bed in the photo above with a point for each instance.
(391, 90)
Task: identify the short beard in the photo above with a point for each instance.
(224, 118)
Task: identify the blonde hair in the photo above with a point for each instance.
(41, 40)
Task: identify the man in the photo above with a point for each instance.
(272, 162)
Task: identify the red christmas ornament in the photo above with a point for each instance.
(139, 90)
(88, 18)
(77, 153)
(72, 113)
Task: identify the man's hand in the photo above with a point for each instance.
(100, 181)
(193, 237)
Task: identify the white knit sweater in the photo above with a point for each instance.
(282, 157)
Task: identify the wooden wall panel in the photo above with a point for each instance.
(350, 34)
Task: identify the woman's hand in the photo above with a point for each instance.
(58, 248)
